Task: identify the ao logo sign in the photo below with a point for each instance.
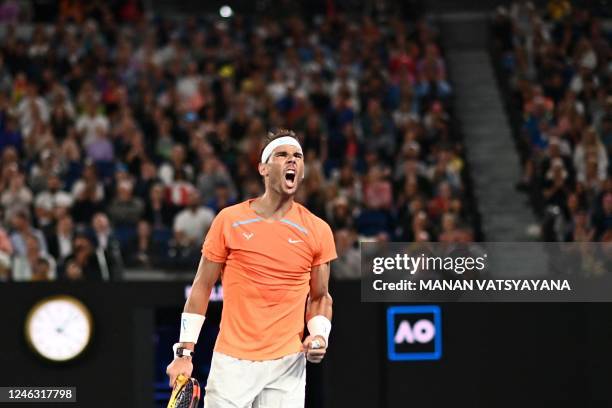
(422, 332)
(414, 333)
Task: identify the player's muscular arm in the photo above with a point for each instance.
(319, 301)
(318, 314)
(197, 303)
(206, 277)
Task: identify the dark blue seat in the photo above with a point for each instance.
(125, 234)
(161, 235)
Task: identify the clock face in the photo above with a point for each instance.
(59, 328)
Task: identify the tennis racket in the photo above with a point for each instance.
(185, 394)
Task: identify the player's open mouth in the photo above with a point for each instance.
(290, 178)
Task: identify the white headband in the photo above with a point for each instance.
(285, 140)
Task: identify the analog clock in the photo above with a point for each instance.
(59, 328)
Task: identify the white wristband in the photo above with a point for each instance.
(185, 351)
(320, 326)
(191, 324)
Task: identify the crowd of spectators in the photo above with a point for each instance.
(122, 135)
(559, 70)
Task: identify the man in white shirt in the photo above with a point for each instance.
(47, 200)
(90, 123)
(31, 109)
(178, 161)
(191, 224)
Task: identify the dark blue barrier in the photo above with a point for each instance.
(494, 354)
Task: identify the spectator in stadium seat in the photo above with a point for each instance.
(83, 259)
(314, 135)
(377, 191)
(192, 223)
(449, 229)
(451, 232)
(141, 251)
(46, 201)
(106, 248)
(431, 71)
(17, 197)
(22, 228)
(435, 122)
(62, 114)
(562, 227)
(10, 134)
(70, 159)
(408, 111)
(555, 186)
(157, 212)
(60, 239)
(91, 122)
(421, 227)
(606, 132)
(582, 232)
(179, 190)
(10, 164)
(73, 271)
(146, 180)
(340, 215)
(136, 153)
(444, 169)
(591, 180)
(403, 228)
(6, 79)
(378, 129)
(602, 219)
(554, 152)
(32, 110)
(41, 270)
(177, 163)
(349, 184)
(222, 198)
(316, 199)
(411, 171)
(100, 149)
(213, 173)
(590, 146)
(88, 194)
(348, 263)
(125, 210)
(441, 202)
(163, 140)
(26, 266)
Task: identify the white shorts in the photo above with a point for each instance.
(235, 383)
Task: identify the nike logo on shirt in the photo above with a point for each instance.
(294, 241)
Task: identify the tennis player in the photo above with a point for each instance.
(273, 257)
